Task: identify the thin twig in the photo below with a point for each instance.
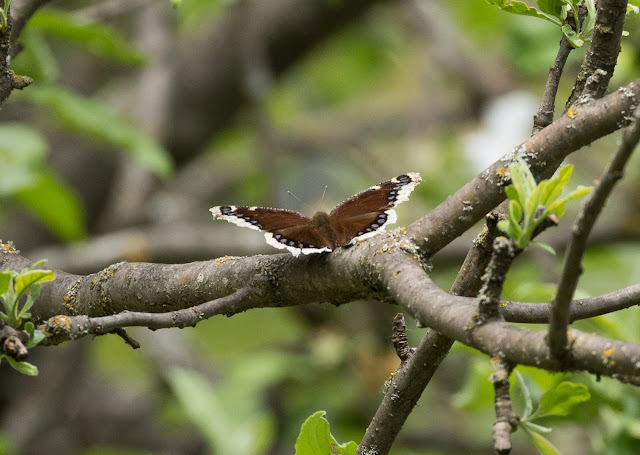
(544, 117)
(506, 419)
(504, 252)
(586, 218)
(65, 328)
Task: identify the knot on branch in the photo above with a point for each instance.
(19, 82)
(399, 338)
(63, 328)
(13, 343)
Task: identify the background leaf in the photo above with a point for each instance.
(96, 120)
(56, 205)
(22, 150)
(99, 39)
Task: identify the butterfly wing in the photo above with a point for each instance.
(369, 212)
(282, 228)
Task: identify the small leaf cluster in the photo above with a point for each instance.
(316, 439)
(4, 14)
(531, 203)
(556, 12)
(18, 292)
(557, 401)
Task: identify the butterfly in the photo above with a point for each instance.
(359, 217)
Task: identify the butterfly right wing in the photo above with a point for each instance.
(281, 228)
(370, 211)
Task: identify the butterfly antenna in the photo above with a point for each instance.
(299, 200)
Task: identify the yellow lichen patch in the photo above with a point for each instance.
(503, 304)
(607, 356)
(221, 260)
(403, 229)
(502, 171)
(134, 266)
(395, 275)
(8, 247)
(572, 112)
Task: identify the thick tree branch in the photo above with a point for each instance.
(604, 49)
(590, 211)
(409, 285)
(416, 373)
(543, 152)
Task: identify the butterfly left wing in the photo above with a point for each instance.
(281, 228)
(369, 212)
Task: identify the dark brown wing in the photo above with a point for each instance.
(368, 212)
(282, 228)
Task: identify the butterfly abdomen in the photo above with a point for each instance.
(322, 223)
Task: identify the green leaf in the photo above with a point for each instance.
(537, 428)
(543, 445)
(22, 152)
(534, 201)
(512, 193)
(572, 36)
(521, 8)
(556, 184)
(551, 7)
(316, 439)
(5, 279)
(56, 205)
(558, 205)
(36, 337)
(523, 180)
(515, 211)
(526, 393)
(96, 120)
(23, 367)
(99, 39)
(561, 399)
(24, 280)
(545, 246)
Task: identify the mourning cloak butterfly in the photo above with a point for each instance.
(362, 216)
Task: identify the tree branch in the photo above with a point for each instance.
(544, 117)
(604, 49)
(543, 152)
(590, 211)
(506, 419)
(64, 328)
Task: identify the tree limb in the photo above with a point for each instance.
(543, 152)
(589, 212)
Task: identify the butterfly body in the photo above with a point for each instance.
(360, 217)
